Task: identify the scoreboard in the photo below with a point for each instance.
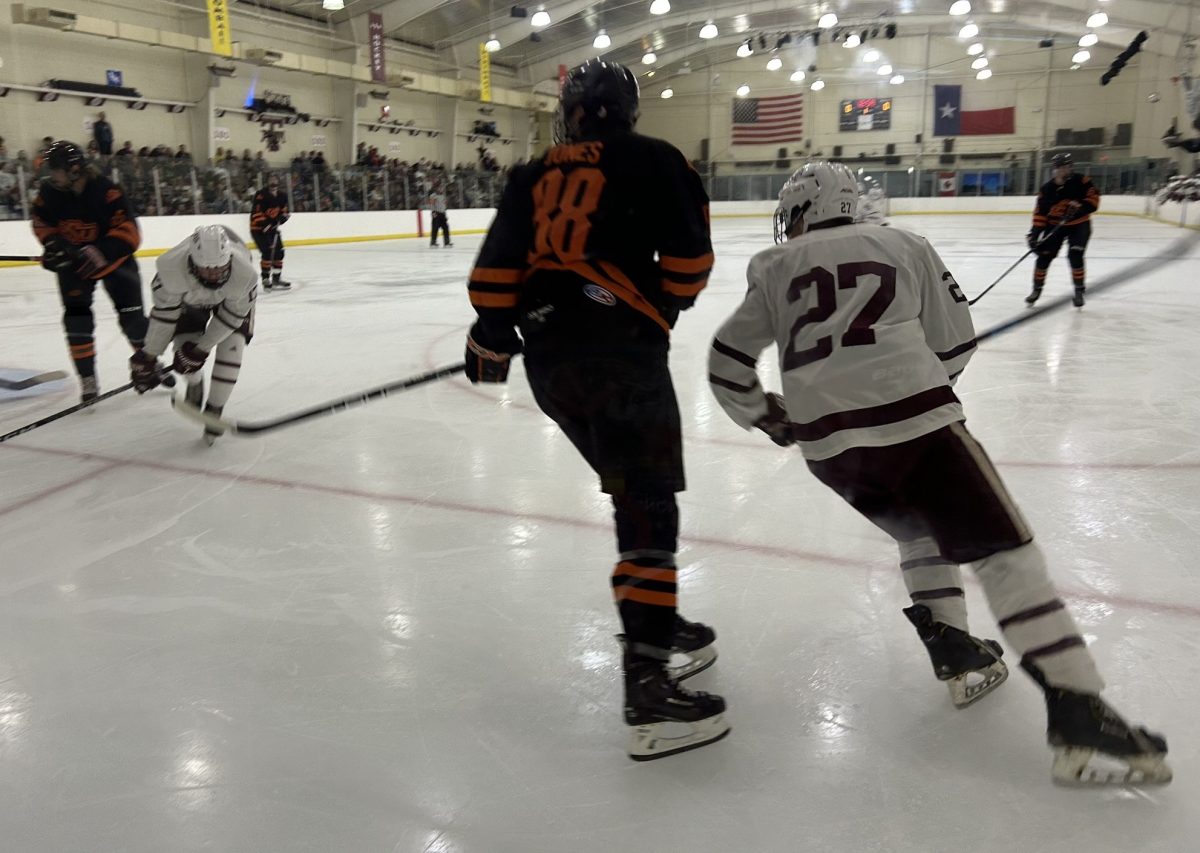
(866, 114)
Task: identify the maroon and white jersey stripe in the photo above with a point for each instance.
(872, 331)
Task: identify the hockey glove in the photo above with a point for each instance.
(189, 358)
(144, 371)
(91, 260)
(58, 255)
(1033, 237)
(775, 422)
(485, 365)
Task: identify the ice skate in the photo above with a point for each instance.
(89, 389)
(971, 667)
(277, 282)
(1033, 296)
(664, 718)
(267, 284)
(1077, 300)
(693, 649)
(210, 433)
(1093, 746)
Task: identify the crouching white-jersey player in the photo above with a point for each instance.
(872, 331)
(203, 295)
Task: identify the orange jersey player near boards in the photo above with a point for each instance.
(594, 251)
(269, 212)
(89, 233)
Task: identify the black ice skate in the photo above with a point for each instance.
(1033, 296)
(696, 643)
(1093, 746)
(664, 718)
(210, 433)
(89, 389)
(277, 282)
(266, 283)
(1077, 300)
(971, 667)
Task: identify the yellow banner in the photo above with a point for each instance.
(485, 75)
(218, 27)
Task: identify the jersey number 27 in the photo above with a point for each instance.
(827, 286)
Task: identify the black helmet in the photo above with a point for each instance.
(64, 155)
(608, 93)
(1063, 159)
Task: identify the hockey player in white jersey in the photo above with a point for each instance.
(204, 296)
(872, 205)
(872, 332)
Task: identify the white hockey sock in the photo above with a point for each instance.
(227, 363)
(934, 581)
(1035, 622)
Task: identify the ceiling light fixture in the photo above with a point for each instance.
(984, 74)
(883, 70)
(969, 30)
(602, 41)
(1088, 39)
(774, 63)
(649, 58)
(897, 80)
(708, 31)
(492, 44)
(661, 7)
(1081, 56)
(1097, 20)
(975, 49)
(852, 41)
(871, 55)
(743, 90)
(818, 85)
(744, 50)
(960, 7)
(667, 93)
(541, 18)
(981, 62)
(827, 20)
(797, 77)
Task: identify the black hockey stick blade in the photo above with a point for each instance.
(28, 259)
(218, 424)
(8, 385)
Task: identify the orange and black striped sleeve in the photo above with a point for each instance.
(258, 216)
(45, 223)
(685, 253)
(1040, 211)
(500, 270)
(121, 236)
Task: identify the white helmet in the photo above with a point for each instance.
(210, 256)
(818, 191)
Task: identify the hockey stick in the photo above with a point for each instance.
(49, 419)
(218, 424)
(31, 259)
(8, 385)
(1046, 237)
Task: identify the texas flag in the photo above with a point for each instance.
(950, 119)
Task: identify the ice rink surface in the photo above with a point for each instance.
(390, 629)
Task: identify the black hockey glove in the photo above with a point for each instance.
(490, 362)
(775, 422)
(59, 256)
(1033, 237)
(144, 371)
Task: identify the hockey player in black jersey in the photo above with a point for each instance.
(269, 212)
(89, 233)
(1064, 208)
(595, 249)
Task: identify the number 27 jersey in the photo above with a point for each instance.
(872, 330)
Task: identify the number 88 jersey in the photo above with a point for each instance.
(872, 331)
(624, 217)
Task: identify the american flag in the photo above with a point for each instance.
(757, 121)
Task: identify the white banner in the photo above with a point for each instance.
(318, 140)
(395, 148)
(222, 134)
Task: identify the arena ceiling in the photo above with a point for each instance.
(451, 30)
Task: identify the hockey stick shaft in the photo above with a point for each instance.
(329, 408)
(1050, 234)
(49, 419)
(31, 259)
(9, 385)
